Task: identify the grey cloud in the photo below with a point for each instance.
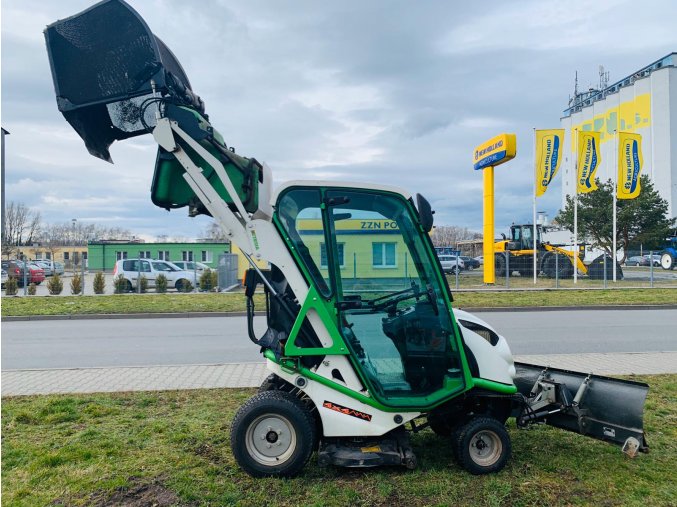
(392, 92)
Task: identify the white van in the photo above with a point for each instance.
(130, 269)
(450, 263)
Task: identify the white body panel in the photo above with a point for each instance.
(338, 424)
(495, 361)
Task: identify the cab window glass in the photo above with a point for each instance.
(300, 213)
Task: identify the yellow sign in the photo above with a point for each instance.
(549, 144)
(495, 151)
(589, 158)
(630, 115)
(630, 163)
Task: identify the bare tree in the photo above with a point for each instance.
(214, 232)
(80, 233)
(22, 226)
(450, 235)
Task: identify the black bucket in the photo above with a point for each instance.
(104, 63)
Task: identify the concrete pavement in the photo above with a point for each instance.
(208, 376)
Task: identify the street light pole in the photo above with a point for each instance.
(2, 183)
(73, 240)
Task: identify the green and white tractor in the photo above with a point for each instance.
(363, 345)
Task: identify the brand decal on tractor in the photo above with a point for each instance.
(347, 411)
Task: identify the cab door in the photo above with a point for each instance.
(392, 302)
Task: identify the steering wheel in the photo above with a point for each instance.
(396, 297)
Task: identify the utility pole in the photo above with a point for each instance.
(73, 240)
(2, 161)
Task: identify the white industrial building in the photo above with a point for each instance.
(644, 102)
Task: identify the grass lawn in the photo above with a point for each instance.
(172, 448)
(233, 302)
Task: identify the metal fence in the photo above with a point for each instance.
(227, 271)
(633, 273)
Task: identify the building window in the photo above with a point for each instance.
(163, 255)
(323, 255)
(187, 255)
(144, 255)
(84, 255)
(383, 255)
(38, 256)
(120, 255)
(48, 256)
(66, 256)
(206, 256)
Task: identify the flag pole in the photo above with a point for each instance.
(535, 230)
(615, 171)
(576, 207)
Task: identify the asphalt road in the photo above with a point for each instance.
(209, 340)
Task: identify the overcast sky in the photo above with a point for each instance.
(392, 92)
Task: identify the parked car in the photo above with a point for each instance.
(5, 277)
(450, 263)
(14, 269)
(46, 266)
(50, 267)
(34, 274)
(480, 259)
(130, 269)
(656, 259)
(470, 263)
(637, 260)
(192, 266)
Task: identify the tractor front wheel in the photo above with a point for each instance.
(667, 261)
(483, 446)
(273, 435)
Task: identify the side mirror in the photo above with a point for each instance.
(503, 236)
(425, 213)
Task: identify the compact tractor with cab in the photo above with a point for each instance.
(360, 356)
(516, 253)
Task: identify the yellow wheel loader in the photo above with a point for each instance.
(516, 253)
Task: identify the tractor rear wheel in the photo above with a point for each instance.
(273, 435)
(667, 261)
(499, 264)
(483, 446)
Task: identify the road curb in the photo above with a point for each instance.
(489, 309)
(195, 315)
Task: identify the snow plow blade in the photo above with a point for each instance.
(600, 407)
(106, 65)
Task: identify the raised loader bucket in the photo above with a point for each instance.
(104, 63)
(112, 74)
(600, 407)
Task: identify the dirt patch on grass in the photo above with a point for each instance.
(138, 494)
